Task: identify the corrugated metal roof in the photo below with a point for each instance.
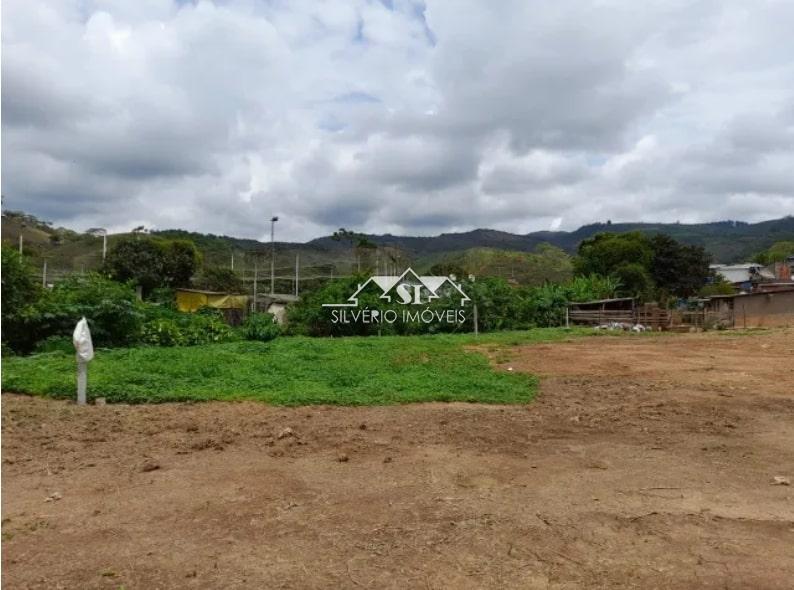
(742, 273)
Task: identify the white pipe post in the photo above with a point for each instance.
(44, 275)
(82, 381)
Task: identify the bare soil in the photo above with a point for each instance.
(645, 462)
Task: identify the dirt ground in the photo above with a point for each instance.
(646, 462)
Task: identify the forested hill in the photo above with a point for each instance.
(727, 241)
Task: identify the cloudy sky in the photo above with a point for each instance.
(396, 116)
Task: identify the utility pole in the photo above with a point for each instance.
(101, 231)
(273, 221)
(232, 259)
(297, 273)
(22, 227)
(256, 276)
(476, 315)
(44, 274)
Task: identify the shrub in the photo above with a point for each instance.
(162, 332)
(166, 327)
(207, 329)
(112, 310)
(261, 327)
(19, 293)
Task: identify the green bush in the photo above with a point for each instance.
(167, 327)
(56, 344)
(19, 293)
(261, 327)
(114, 315)
(207, 329)
(162, 332)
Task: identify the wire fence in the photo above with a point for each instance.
(255, 274)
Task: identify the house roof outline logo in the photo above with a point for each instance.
(388, 282)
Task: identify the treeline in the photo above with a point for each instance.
(36, 319)
(649, 268)
(500, 306)
(632, 264)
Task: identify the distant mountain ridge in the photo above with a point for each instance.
(726, 241)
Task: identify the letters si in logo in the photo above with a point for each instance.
(407, 289)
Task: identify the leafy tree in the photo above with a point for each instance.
(605, 252)
(645, 266)
(678, 268)
(141, 261)
(19, 288)
(635, 281)
(181, 258)
(152, 263)
(19, 293)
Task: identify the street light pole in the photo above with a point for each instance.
(273, 221)
(101, 231)
(21, 239)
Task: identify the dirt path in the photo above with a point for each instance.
(645, 463)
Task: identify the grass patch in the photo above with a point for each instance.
(292, 371)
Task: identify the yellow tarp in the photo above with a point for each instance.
(193, 300)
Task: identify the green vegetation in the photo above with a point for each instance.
(646, 267)
(217, 278)
(261, 327)
(777, 252)
(43, 319)
(501, 306)
(717, 287)
(167, 327)
(546, 263)
(292, 371)
(152, 262)
(18, 291)
(32, 316)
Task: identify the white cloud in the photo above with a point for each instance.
(396, 116)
